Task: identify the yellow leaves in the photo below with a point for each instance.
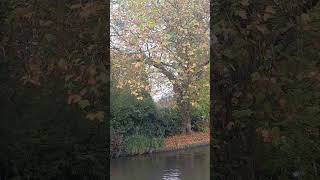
(140, 98)
(74, 98)
(152, 24)
(157, 61)
(99, 115)
(134, 93)
(115, 66)
(194, 104)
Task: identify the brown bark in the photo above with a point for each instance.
(186, 118)
(184, 108)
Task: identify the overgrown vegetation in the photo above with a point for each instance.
(265, 89)
(53, 89)
(137, 126)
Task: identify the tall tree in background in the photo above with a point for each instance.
(168, 37)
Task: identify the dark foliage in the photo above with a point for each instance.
(265, 89)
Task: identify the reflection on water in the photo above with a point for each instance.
(192, 164)
(171, 174)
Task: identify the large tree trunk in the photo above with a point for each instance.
(186, 117)
(184, 108)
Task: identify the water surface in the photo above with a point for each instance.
(191, 164)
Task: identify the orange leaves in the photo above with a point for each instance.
(180, 141)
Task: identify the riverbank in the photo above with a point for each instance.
(187, 140)
(180, 142)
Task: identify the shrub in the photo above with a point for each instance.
(199, 122)
(170, 120)
(129, 117)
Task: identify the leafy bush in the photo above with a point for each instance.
(199, 121)
(170, 120)
(129, 117)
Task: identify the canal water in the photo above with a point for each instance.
(190, 164)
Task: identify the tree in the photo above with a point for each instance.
(53, 68)
(265, 53)
(170, 38)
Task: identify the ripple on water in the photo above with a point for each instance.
(171, 174)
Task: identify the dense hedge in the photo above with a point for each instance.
(131, 118)
(138, 126)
